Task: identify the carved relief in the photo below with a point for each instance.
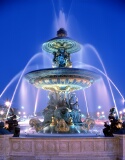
(26, 146)
(50, 146)
(75, 146)
(39, 146)
(63, 147)
(16, 146)
(45, 148)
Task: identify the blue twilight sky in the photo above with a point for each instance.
(26, 24)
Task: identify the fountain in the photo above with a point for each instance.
(62, 115)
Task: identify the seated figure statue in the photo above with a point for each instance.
(115, 124)
(61, 58)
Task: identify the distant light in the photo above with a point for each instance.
(8, 103)
(98, 112)
(24, 113)
(19, 112)
(124, 110)
(22, 107)
(102, 112)
(120, 112)
(82, 115)
(99, 107)
(2, 112)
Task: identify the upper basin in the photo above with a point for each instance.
(56, 43)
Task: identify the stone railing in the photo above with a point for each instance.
(62, 148)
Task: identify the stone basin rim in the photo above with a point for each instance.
(60, 70)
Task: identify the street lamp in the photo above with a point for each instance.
(22, 107)
(120, 114)
(98, 114)
(99, 107)
(2, 112)
(8, 103)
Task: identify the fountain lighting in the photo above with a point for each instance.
(87, 109)
(36, 102)
(20, 78)
(22, 75)
(62, 80)
(98, 56)
(86, 65)
(9, 84)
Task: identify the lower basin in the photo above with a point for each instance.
(62, 79)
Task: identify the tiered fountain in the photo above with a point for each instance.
(62, 115)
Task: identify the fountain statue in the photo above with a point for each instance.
(116, 125)
(62, 115)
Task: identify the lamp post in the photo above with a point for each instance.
(123, 115)
(120, 114)
(1, 114)
(98, 114)
(8, 105)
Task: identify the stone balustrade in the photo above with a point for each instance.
(62, 148)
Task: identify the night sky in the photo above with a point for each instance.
(26, 24)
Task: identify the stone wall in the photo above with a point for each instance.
(77, 148)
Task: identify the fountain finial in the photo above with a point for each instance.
(61, 32)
